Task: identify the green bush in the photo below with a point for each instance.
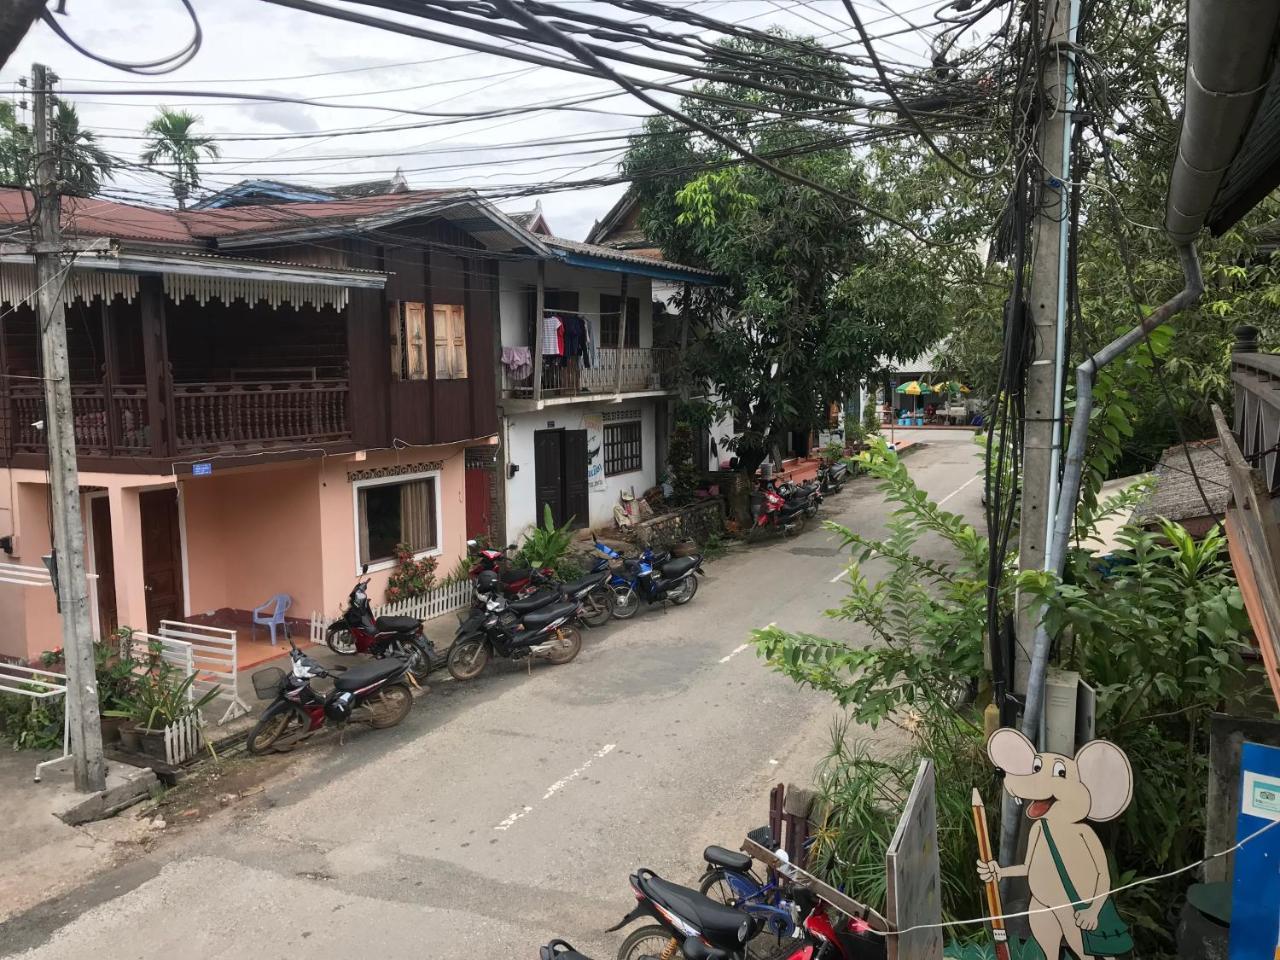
(411, 577)
(546, 544)
(870, 419)
(31, 724)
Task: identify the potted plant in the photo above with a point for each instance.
(159, 699)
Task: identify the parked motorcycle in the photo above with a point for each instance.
(686, 920)
(649, 578)
(359, 631)
(514, 581)
(772, 511)
(808, 493)
(547, 632)
(832, 476)
(372, 693)
(692, 949)
(843, 939)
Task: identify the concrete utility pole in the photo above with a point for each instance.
(1042, 429)
(52, 274)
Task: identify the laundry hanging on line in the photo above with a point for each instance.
(518, 361)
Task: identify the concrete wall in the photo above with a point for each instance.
(523, 511)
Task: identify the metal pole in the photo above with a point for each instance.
(64, 482)
(539, 308)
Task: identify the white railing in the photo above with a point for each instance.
(140, 646)
(183, 739)
(39, 685)
(214, 655)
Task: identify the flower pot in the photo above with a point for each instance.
(111, 729)
(151, 742)
(129, 739)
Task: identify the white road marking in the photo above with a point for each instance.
(736, 650)
(959, 488)
(842, 573)
(559, 785)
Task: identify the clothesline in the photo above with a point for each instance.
(581, 313)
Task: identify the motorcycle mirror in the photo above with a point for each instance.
(364, 568)
(471, 544)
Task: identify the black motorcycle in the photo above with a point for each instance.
(372, 693)
(359, 631)
(547, 632)
(807, 495)
(693, 949)
(832, 476)
(701, 927)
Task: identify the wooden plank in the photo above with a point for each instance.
(914, 891)
(807, 881)
(1253, 538)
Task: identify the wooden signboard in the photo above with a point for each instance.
(802, 878)
(914, 892)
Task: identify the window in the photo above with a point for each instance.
(393, 512)
(408, 340)
(609, 317)
(622, 447)
(451, 342)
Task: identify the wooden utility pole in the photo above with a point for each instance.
(53, 270)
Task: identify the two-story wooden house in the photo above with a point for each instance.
(266, 398)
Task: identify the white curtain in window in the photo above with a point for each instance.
(417, 514)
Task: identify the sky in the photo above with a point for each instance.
(364, 79)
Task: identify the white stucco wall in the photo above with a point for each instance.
(603, 495)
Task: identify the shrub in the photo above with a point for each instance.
(411, 578)
(546, 544)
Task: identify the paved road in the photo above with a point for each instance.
(508, 810)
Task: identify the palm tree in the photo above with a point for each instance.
(82, 164)
(174, 145)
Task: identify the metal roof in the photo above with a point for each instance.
(594, 255)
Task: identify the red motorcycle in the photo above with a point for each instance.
(514, 582)
(846, 939)
(359, 631)
(770, 510)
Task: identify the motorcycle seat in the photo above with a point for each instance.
(679, 566)
(591, 580)
(532, 602)
(399, 624)
(729, 859)
(367, 673)
(544, 615)
(719, 924)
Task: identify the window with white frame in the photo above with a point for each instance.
(404, 510)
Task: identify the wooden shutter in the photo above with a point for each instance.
(451, 341)
(415, 336)
(396, 319)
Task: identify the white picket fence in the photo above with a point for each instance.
(183, 739)
(435, 603)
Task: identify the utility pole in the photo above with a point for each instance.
(52, 273)
(1042, 428)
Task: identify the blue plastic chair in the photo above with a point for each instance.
(278, 605)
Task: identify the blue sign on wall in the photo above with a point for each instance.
(1255, 906)
(201, 469)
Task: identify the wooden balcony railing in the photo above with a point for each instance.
(205, 417)
(209, 416)
(643, 368)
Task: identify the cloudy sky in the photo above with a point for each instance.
(364, 79)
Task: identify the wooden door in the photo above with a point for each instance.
(161, 556)
(479, 501)
(548, 474)
(576, 504)
(103, 565)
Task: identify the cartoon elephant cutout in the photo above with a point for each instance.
(1066, 865)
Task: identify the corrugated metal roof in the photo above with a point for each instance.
(624, 256)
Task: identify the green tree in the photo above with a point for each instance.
(82, 163)
(15, 148)
(174, 145)
(814, 294)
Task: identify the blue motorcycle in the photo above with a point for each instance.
(648, 578)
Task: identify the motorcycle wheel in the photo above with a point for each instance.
(419, 661)
(391, 706)
(467, 659)
(568, 645)
(646, 942)
(279, 732)
(598, 606)
(626, 602)
(794, 529)
(688, 587)
(340, 641)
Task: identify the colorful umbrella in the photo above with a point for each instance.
(951, 386)
(915, 388)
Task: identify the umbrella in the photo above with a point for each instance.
(951, 386)
(915, 388)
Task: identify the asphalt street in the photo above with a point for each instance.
(509, 810)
